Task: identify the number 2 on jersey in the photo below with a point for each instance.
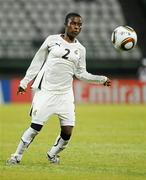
(65, 56)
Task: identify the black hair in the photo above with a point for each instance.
(70, 15)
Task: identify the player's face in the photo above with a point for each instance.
(74, 26)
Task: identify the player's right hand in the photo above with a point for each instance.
(107, 83)
(20, 90)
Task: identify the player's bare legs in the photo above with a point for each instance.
(60, 144)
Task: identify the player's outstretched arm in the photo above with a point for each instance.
(36, 64)
(107, 82)
(20, 90)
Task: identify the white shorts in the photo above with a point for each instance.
(47, 103)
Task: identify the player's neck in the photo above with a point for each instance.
(67, 38)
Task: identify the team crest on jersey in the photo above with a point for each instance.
(76, 51)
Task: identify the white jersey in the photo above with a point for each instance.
(55, 64)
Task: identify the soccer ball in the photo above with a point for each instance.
(124, 38)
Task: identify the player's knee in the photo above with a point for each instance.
(36, 127)
(65, 136)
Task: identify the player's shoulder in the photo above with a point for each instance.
(53, 37)
(78, 43)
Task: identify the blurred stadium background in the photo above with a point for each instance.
(25, 24)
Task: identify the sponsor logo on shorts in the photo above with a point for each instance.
(34, 112)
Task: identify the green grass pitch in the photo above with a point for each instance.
(108, 143)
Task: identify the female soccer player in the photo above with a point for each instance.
(59, 58)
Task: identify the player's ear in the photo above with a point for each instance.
(65, 23)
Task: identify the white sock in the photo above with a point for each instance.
(25, 141)
(59, 145)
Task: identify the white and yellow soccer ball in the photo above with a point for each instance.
(124, 38)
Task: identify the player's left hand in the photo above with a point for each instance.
(107, 83)
(20, 90)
